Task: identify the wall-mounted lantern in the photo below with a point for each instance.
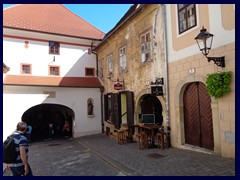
(204, 40)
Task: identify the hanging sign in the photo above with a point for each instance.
(118, 86)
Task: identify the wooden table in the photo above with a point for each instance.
(151, 129)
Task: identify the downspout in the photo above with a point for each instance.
(96, 60)
(166, 70)
(102, 90)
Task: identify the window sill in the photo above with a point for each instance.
(91, 116)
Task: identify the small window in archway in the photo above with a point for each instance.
(90, 107)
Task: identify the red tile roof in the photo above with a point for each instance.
(49, 18)
(85, 82)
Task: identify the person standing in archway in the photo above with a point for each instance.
(50, 130)
(66, 129)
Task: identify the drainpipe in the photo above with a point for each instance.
(166, 70)
(96, 60)
(102, 90)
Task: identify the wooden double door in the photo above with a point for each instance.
(198, 124)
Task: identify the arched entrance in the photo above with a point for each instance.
(151, 105)
(198, 126)
(40, 116)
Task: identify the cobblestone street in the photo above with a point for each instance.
(99, 155)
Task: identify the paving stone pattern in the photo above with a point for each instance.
(100, 155)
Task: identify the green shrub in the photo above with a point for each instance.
(218, 84)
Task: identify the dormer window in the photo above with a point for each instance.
(54, 47)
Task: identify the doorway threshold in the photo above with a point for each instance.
(197, 149)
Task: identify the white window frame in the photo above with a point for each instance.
(186, 17)
(110, 64)
(146, 48)
(123, 59)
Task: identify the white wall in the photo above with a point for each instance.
(72, 59)
(17, 100)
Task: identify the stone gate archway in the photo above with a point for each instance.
(41, 115)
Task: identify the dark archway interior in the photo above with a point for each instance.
(151, 105)
(40, 116)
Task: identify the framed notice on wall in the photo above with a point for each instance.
(157, 90)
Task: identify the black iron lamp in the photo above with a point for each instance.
(204, 40)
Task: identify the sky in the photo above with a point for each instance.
(102, 16)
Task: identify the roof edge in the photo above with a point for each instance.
(65, 35)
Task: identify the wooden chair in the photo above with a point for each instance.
(142, 140)
(122, 136)
(162, 140)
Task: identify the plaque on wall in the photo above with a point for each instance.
(157, 90)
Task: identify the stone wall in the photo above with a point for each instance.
(223, 109)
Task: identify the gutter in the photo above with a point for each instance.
(96, 60)
(57, 34)
(166, 69)
(102, 90)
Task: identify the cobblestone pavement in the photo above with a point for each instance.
(100, 155)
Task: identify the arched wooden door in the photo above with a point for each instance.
(198, 116)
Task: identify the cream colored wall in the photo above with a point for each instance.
(184, 56)
(218, 19)
(149, 18)
(228, 16)
(187, 39)
(223, 109)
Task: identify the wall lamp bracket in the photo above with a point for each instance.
(219, 61)
(118, 81)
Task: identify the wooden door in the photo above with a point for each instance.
(198, 116)
(116, 110)
(130, 108)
